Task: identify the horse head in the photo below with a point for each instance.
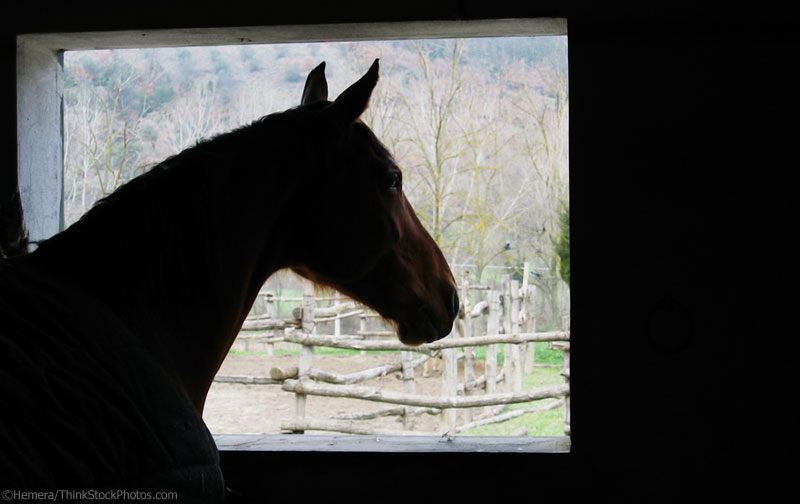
(371, 245)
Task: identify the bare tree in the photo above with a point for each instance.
(481, 136)
(545, 148)
(188, 118)
(434, 143)
(104, 121)
(493, 202)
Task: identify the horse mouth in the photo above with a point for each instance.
(424, 328)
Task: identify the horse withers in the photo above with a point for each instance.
(111, 332)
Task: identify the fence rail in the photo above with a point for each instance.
(509, 321)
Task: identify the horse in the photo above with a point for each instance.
(111, 331)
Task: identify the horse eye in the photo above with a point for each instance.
(394, 182)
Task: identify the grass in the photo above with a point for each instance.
(543, 354)
(543, 423)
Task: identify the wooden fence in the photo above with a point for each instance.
(509, 320)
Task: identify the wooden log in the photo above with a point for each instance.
(492, 327)
(282, 298)
(306, 352)
(416, 444)
(337, 309)
(508, 416)
(272, 313)
(360, 376)
(526, 271)
(260, 337)
(266, 324)
(529, 325)
(447, 421)
(565, 322)
(247, 380)
(511, 361)
(465, 331)
(371, 394)
(337, 323)
(284, 374)
(371, 415)
(278, 336)
(408, 386)
(350, 342)
(362, 327)
(395, 411)
(515, 358)
(337, 319)
(329, 313)
(347, 427)
(505, 290)
(480, 308)
(480, 287)
(376, 333)
(480, 383)
(491, 411)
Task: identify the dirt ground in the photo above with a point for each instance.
(258, 409)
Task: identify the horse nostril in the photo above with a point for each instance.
(456, 305)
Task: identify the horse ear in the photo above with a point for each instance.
(354, 100)
(316, 88)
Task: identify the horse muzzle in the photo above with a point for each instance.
(429, 323)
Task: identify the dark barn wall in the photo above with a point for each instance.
(679, 132)
(680, 195)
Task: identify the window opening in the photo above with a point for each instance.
(479, 127)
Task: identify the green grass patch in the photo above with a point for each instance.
(543, 423)
(543, 354)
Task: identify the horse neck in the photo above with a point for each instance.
(185, 279)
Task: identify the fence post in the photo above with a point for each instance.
(306, 354)
(466, 332)
(492, 327)
(516, 356)
(530, 327)
(408, 386)
(565, 324)
(522, 317)
(511, 358)
(447, 422)
(362, 328)
(337, 324)
(505, 289)
(273, 314)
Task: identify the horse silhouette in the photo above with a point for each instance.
(111, 332)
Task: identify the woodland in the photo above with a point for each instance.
(480, 128)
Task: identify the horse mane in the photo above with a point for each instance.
(166, 188)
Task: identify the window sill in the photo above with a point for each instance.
(390, 444)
